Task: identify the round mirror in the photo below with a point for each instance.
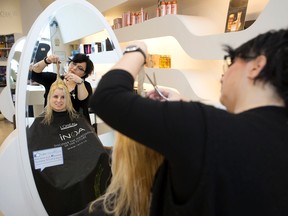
(65, 27)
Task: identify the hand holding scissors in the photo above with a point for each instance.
(154, 83)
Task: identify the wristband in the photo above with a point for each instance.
(46, 62)
(135, 48)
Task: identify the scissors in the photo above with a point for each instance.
(154, 84)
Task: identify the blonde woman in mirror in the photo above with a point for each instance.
(59, 101)
(79, 68)
(73, 182)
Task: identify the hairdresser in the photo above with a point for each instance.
(216, 162)
(79, 68)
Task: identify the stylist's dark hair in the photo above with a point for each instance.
(79, 58)
(274, 46)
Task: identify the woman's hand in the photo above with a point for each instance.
(39, 66)
(53, 59)
(72, 77)
(171, 94)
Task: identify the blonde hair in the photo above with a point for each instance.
(133, 170)
(58, 84)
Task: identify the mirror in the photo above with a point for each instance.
(8, 93)
(64, 25)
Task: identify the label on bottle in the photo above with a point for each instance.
(168, 8)
(162, 9)
(174, 7)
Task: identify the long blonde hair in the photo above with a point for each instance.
(133, 170)
(58, 84)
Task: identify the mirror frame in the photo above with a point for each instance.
(21, 88)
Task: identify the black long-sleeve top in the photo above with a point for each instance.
(216, 163)
(47, 78)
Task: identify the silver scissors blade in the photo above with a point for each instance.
(154, 77)
(150, 80)
(156, 87)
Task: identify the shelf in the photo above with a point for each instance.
(198, 36)
(191, 84)
(199, 39)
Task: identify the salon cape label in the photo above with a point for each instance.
(48, 158)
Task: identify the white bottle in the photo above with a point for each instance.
(168, 7)
(174, 7)
(162, 9)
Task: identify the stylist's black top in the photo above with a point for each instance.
(216, 163)
(47, 78)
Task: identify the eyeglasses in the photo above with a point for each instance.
(78, 67)
(228, 61)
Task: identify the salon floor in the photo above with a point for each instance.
(6, 127)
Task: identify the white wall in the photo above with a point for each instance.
(30, 10)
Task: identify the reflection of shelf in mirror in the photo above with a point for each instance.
(106, 57)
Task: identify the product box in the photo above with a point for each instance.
(236, 15)
(2, 76)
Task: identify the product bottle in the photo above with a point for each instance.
(141, 16)
(133, 18)
(230, 22)
(157, 12)
(163, 8)
(168, 7)
(174, 7)
(239, 14)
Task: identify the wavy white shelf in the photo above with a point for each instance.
(191, 84)
(200, 44)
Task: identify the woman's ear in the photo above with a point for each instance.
(258, 64)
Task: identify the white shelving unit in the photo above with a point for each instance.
(198, 36)
(199, 40)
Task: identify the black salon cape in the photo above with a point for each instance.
(67, 188)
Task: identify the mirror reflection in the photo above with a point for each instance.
(8, 93)
(14, 63)
(69, 163)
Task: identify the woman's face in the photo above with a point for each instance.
(58, 100)
(77, 68)
(232, 83)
